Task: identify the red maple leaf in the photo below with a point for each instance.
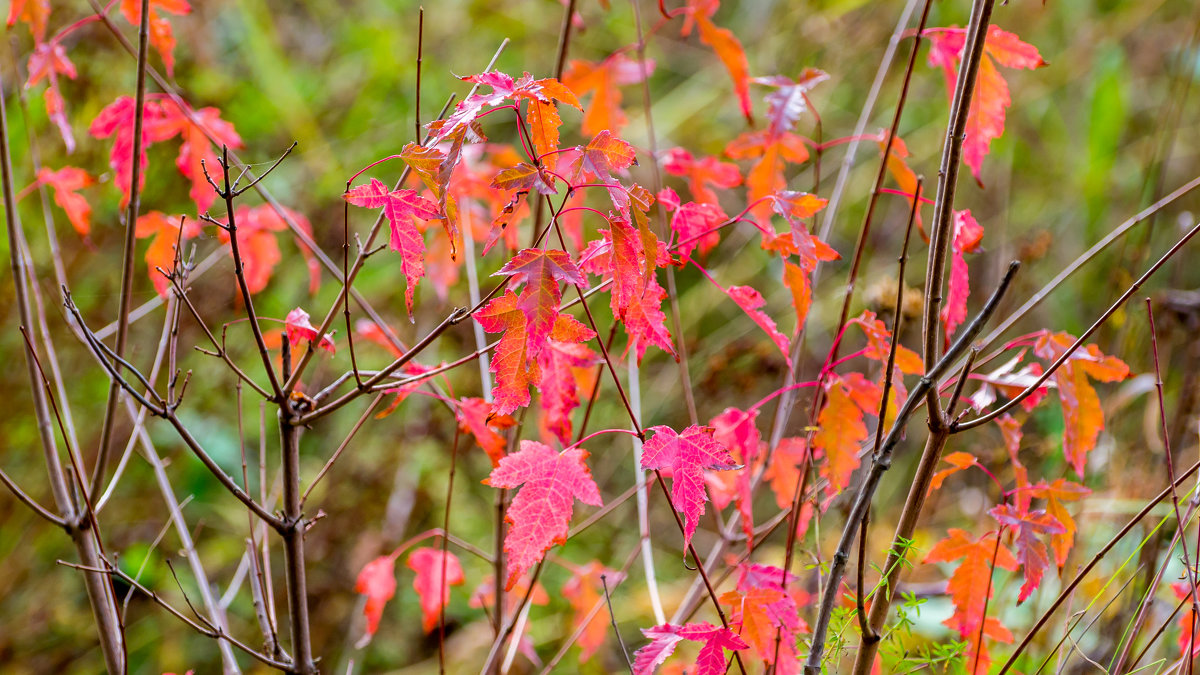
(48, 61)
(66, 182)
(538, 516)
(795, 207)
(377, 581)
(752, 302)
(583, 590)
(764, 613)
(726, 46)
(985, 119)
(1031, 552)
(563, 357)
(510, 360)
(970, 588)
(432, 587)
(879, 341)
(161, 35)
(967, 234)
(702, 174)
(958, 461)
(664, 638)
(36, 14)
(603, 81)
(1083, 418)
(694, 224)
(299, 327)
(784, 470)
(1055, 493)
(540, 270)
(686, 456)
(161, 252)
(477, 417)
(400, 206)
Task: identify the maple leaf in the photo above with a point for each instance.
(958, 461)
(879, 341)
(1055, 493)
(702, 174)
(583, 591)
(36, 14)
(645, 322)
(985, 119)
(763, 610)
(161, 35)
(726, 46)
(783, 471)
(400, 206)
(477, 417)
(1187, 641)
(967, 234)
(510, 360)
(772, 153)
(840, 434)
(161, 252)
(694, 224)
(603, 81)
(377, 581)
(904, 176)
(298, 327)
(539, 514)
(524, 176)
(540, 270)
(66, 182)
(1083, 418)
(196, 150)
(795, 207)
(737, 430)
(432, 587)
(751, 302)
(117, 120)
(687, 456)
(970, 587)
(256, 243)
(664, 638)
(558, 362)
(48, 61)
(1031, 552)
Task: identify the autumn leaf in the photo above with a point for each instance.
(726, 46)
(967, 235)
(161, 252)
(510, 360)
(539, 514)
(1031, 552)
(752, 302)
(686, 456)
(432, 587)
(772, 155)
(664, 638)
(161, 34)
(603, 81)
(66, 182)
(1055, 493)
(524, 176)
(840, 435)
(540, 271)
(958, 461)
(584, 590)
(1083, 418)
(645, 322)
(970, 588)
(904, 176)
(562, 358)
(299, 328)
(400, 207)
(985, 119)
(694, 225)
(35, 13)
(764, 611)
(702, 174)
(784, 470)
(477, 417)
(48, 61)
(879, 342)
(377, 581)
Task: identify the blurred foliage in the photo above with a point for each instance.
(1090, 140)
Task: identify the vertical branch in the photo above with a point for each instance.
(292, 531)
(98, 585)
(139, 114)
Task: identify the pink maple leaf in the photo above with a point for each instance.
(686, 456)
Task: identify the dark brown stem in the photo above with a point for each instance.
(110, 407)
(292, 531)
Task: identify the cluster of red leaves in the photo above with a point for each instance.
(435, 572)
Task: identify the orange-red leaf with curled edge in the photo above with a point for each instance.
(900, 171)
(628, 263)
(686, 456)
(524, 176)
(603, 81)
(1083, 418)
(800, 285)
(646, 324)
(879, 341)
(606, 153)
(664, 638)
(985, 119)
(737, 430)
(584, 591)
(549, 483)
(967, 235)
(702, 174)
(752, 302)
(762, 610)
(765, 177)
(970, 588)
(840, 434)
(299, 327)
(477, 417)
(1031, 552)
(510, 360)
(789, 99)
(560, 360)
(1055, 493)
(377, 581)
(431, 585)
(66, 182)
